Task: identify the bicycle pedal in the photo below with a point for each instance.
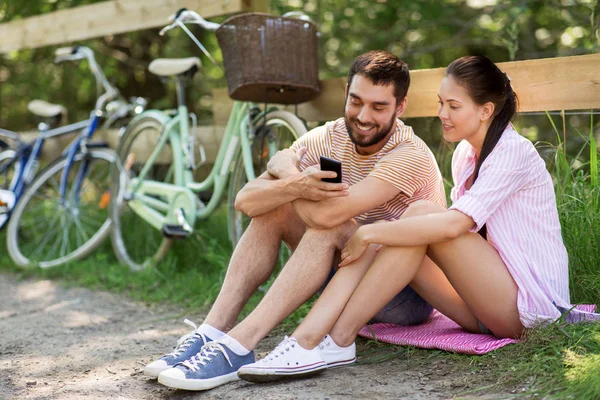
(175, 231)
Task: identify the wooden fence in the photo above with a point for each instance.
(108, 18)
(563, 83)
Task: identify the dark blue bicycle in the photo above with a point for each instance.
(19, 160)
(61, 213)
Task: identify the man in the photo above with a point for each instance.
(385, 167)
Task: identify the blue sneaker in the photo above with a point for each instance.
(215, 365)
(187, 346)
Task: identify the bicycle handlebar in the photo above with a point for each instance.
(76, 53)
(64, 53)
(183, 16)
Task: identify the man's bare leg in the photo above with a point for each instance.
(302, 276)
(253, 261)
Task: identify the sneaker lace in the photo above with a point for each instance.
(286, 344)
(324, 343)
(184, 342)
(206, 354)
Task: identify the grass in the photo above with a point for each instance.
(190, 276)
(558, 361)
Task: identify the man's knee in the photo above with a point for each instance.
(282, 221)
(336, 236)
(422, 207)
(278, 215)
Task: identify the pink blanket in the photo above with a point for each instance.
(440, 332)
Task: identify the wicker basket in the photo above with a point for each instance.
(270, 59)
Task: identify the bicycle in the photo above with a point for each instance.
(19, 161)
(154, 188)
(60, 214)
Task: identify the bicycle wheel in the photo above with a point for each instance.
(135, 242)
(46, 231)
(281, 129)
(8, 167)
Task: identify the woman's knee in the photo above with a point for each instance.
(422, 207)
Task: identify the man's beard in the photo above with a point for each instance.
(380, 132)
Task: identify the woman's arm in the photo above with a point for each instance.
(410, 231)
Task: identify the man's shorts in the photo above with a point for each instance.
(406, 308)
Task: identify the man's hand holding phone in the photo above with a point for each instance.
(315, 183)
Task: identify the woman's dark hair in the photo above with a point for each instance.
(485, 82)
(382, 68)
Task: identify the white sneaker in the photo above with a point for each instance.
(288, 360)
(334, 355)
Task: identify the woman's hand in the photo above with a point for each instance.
(354, 249)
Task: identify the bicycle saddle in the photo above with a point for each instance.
(173, 66)
(44, 109)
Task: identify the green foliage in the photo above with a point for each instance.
(578, 202)
(425, 34)
(190, 277)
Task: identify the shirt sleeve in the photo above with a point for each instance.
(407, 168)
(458, 162)
(505, 171)
(317, 143)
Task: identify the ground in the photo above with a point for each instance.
(72, 343)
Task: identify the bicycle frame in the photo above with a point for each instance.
(237, 136)
(146, 200)
(29, 153)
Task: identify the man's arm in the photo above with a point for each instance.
(364, 196)
(268, 192)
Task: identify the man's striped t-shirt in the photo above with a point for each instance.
(405, 162)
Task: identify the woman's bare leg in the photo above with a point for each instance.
(473, 269)
(332, 301)
(328, 308)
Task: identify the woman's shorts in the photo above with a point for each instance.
(406, 308)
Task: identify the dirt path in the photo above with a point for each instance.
(70, 343)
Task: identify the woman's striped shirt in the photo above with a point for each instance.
(405, 162)
(514, 197)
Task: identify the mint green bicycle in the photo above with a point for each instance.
(155, 196)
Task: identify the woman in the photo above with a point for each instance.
(494, 262)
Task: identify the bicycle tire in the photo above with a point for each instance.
(19, 241)
(154, 243)
(7, 167)
(236, 220)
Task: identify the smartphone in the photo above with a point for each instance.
(328, 164)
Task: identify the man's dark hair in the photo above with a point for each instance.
(382, 68)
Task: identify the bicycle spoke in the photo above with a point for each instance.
(79, 235)
(63, 245)
(49, 232)
(47, 237)
(54, 184)
(87, 218)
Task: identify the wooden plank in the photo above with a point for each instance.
(108, 18)
(564, 83)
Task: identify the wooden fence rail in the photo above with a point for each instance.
(564, 83)
(108, 18)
